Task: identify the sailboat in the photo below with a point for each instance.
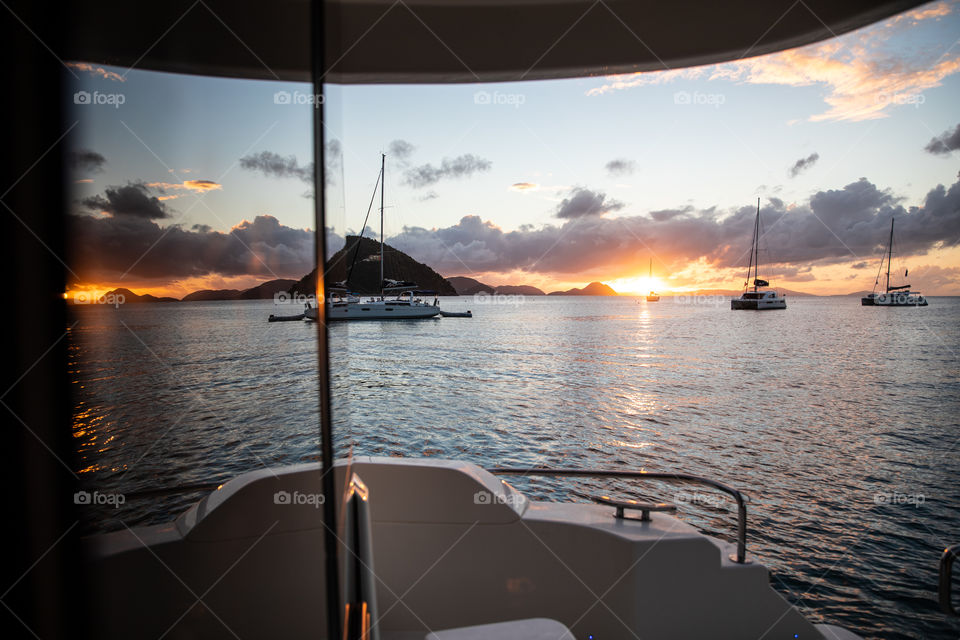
(653, 296)
(899, 296)
(757, 298)
(397, 299)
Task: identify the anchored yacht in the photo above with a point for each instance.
(757, 298)
(653, 296)
(397, 299)
(899, 296)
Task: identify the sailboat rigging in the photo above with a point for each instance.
(892, 296)
(396, 298)
(757, 298)
(653, 296)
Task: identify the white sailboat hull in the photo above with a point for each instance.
(894, 299)
(381, 310)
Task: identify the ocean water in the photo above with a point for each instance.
(841, 423)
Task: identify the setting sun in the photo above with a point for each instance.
(640, 285)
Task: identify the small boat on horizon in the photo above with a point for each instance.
(757, 298)
(653, 296)
(899, 296)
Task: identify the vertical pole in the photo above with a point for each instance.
(383, 183)
(889, 254)
(330, 546)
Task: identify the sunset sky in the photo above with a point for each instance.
(184, 183)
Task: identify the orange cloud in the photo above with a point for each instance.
(934, 11)
(202, 185)
(199, 186)
(863, 75)
(97, 71)
(524, 186)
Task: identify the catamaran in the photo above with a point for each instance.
(397, 300)
(459, 553)
(757, 298)
(899, 296)
(653, 296)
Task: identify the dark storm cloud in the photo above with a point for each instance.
(104, 248)
(130, 201)
(620, 167)
(803, 164)
(581, 203)
(945, 143)
(460, 167)
(668, 214)
(276, 166)
(85, 161)
(833, 226)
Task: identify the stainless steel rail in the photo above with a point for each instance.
(741, 555)
(946, 576)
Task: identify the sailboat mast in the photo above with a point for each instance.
(755, 258)
(650, 275)
(383, 182)
(750, 261)
(889, 254)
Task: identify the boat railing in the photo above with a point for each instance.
(946, 578)
(741, 499)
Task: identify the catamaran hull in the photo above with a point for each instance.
(757, 305)
(894, 300)
(385, 312)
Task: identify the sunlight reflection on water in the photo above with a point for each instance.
(815, 412)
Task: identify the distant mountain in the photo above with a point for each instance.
(518, 290)
(592, 289)
(129, 297)
(205, 295)
(364, 255)
(468, 286)
(733, 293)
(263, 291)
(267, 290)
